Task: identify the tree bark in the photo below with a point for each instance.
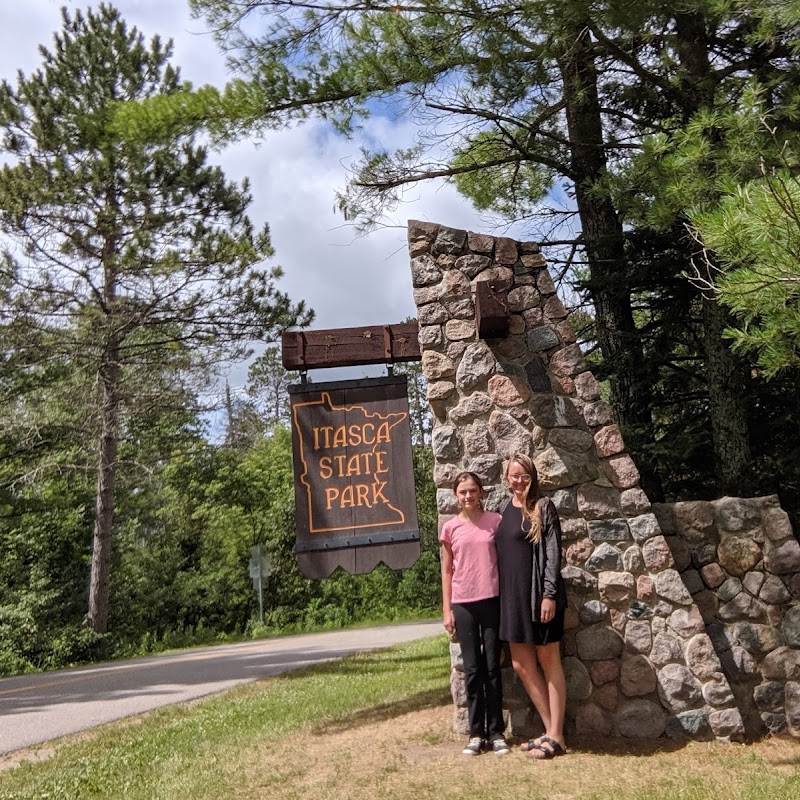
(109, 374)
(602, 233)
(727, 375)
(727, 394)
(99, 583)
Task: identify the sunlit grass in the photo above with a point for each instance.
(376, 727)
(183, 751)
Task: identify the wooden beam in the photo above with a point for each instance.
(343, 347)
(491, 311)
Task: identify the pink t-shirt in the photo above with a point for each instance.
(474, 557)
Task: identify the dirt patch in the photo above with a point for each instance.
(415, 756)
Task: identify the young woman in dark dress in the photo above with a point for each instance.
(533, 600)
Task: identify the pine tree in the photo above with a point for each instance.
(514, 99)
(132, 265)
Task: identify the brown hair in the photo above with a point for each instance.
(468, 476)
(531, 510)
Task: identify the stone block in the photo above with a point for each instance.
(657, 555)
(792, 706)
(634, 501)
(598, 643)
(593, 722)
(450, 241)
(727, 724)
(774, 591)
(621, 471)
(608, 530)
(686, 622)
(729, 589)
(678, 689)
(791, 626)
(777, 525)
(713, 575)
(578, 580)
(640, 719)
(633, 560)
(604, 672)
(695, 521)
(608, 441)
(586, 386)
(738, 556)
(593, 611)
(637, 676)
(579, 683)
(616, 588)
(670, 586)
(783, 559)
(604, 558)
(701, 658)
(736, 514)
(690, 725)
(717, 692)
(769, 696)
(757, 639)
(666, 649)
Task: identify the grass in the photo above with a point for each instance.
(375, 727)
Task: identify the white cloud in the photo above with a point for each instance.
(294, 176)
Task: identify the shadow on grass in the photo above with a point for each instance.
(357, 663)
(433, 698)
(618, 746)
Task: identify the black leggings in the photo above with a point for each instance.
(478, 631)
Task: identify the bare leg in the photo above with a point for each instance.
(526, 665)
(549, 657)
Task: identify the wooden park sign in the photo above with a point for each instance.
(355, 503)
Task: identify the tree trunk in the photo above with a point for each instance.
(604, 244)
(602, 233)
(99, 584)
(727, 375)
(108, 374)
(727, 395)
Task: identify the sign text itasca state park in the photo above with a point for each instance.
(354, 482)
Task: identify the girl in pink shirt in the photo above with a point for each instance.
(471, 610)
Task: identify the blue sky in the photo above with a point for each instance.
(294, 176)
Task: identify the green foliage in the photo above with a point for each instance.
(633, 115)
(132, 268)
(755, 235)
(494, 182)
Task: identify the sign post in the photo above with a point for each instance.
(355, 502)
(260, 568)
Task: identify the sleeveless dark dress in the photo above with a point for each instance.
(517, 559)
(515, 566)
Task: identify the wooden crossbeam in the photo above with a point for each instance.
(491, 311)
(342, 347)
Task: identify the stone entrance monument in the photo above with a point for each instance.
(683, 619)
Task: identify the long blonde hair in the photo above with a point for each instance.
(531, 509)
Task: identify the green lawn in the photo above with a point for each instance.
(375, 727)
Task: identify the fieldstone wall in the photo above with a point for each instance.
(740, 561)
(638, 658)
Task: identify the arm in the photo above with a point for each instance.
(551, 541)
(448, 619)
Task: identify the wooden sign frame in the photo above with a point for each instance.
(355, 501)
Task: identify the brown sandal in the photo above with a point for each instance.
(531, 744)
(548, 748)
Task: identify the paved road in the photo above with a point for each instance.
(36, 708)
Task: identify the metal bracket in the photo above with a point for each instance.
(356, 540)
